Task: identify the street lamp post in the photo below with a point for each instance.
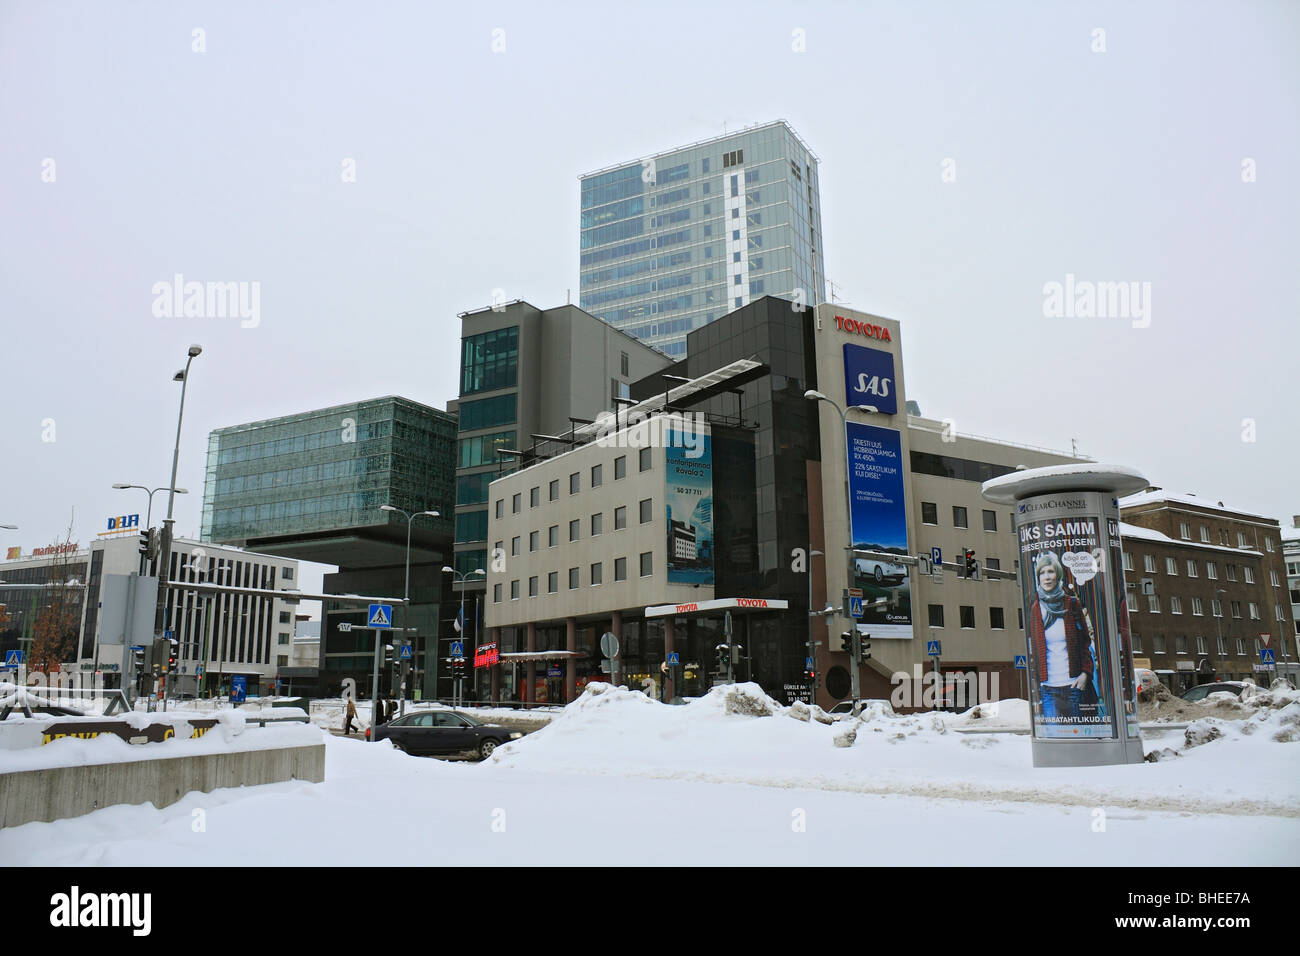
(1218, 629)
(460, 577)
(406, 594)
(151, 492)
(207, 627)
(812, 631)
(816, 396)
(165, 550)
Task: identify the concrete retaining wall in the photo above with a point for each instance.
(60, 792)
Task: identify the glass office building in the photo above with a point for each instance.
(672, 242)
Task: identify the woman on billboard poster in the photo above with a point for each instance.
(1062, 645)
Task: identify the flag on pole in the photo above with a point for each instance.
(459, 623)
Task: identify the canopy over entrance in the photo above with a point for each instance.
(719, 604)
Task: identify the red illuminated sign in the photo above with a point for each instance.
(862, 328)
(485, 655)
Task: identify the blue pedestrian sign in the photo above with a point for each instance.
(855, 606)
(1021, 662)
(381, 615)
(932, 648)
(457, 649)
(406, 652)
(674, 658)
(807, 663)
(13, 658)
(936, 557)
(1266, 656)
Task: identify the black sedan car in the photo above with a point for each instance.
(443, 732)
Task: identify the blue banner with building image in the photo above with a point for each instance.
(688, 506)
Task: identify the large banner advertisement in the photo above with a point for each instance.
(878, 522)
(869, 378)
(688, 506)
(1067, 585)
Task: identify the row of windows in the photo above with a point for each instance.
(489, 412)
(627, 269)
(965, 469)
(1159, 646)
(1192, 567)
(930, 515)
(595, 577)
(645, 461)
(287, 477)
(966, 615)
(1198, 608)
(300, 507)
(335, 435)
(645, 513)
(489, 360)
(483, 449)
(1185, 532)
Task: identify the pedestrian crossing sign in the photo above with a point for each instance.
(381, 615)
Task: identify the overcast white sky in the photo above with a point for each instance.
(226, 165)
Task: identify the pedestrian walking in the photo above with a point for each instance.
(351, 716)
(379, 711)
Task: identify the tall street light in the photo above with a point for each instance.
(1218, 627)
(812, 633)
(151, 492)
(460, 577)
(406, 594)
(815, 396)
(165, 551)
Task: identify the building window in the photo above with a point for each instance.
(1184, 531)
(501, 508)
(1020, 618)
(990, 521)
(1254, 610)
(489, 361)
(285, 618)
(996, 619)
(573, 579)
(620, 467)
(597, 523)
(1268, 544)
(620, 569)
(532, 586)
(1171, 567)
(647, 563)
(554, 489)
(574, 483)
(1272, 575)
(929, 513)
(967, 616)
(1236, 609)
(575, 527)
(646, 515)
(533, 537)
(496, 594)
(514, 590)
(1249, 574)
(597, 571)
(1200, 645)
(1175, 604)
(1153, 603)
(552, 582)
(645, 461)
(1216, 607)
(1198, 607)
(595, 476)
(534, 497)
(1191, 568)
(936, 615)
(993, 564)
(1221, 645)
(622, 364)
(1241, 647)
(1241, 539)
(286, 574)
(958, 517)
(1137, 643)
(1205, 534)
(1223, 537)
(282, 638)
(514, 503)
(620, 518)
(1158, 644)
(514, 546)
(1211, 570)
(1180, 644)
(552, 535)
(1148, 564)
(282, 660)
(1128, 561)
(1232, 572)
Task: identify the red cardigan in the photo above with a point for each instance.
(1077, 640)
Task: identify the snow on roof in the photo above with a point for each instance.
(1291, 533)
(1169, 497)
(1127, 530)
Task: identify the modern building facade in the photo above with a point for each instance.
(598, 531)
(1208, 590)
(1291, 554)
(311, 486)
(527, 371)
(673, 241)
(218, 638)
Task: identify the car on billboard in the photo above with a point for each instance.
(882, 573)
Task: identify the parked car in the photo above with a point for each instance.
(443, 732)
(845, 707)
(1237, 688)
(881, 572)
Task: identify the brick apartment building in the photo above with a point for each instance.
(1206, 584)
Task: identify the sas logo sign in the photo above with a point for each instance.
(869, 378)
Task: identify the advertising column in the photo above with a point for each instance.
(1083, 711)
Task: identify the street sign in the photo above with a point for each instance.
(609, 644)
(13, 658)
(554, 670)
(674, 658)
(936, 556)
(932, 648)
(855, 592)
(345, 627)
(137, 647)
(807, 663)
(198, 670)
(457, 648)
(406, 652)
(607, 667)
(1265, 638)
(1266, 655)
(1021, 662)
(855, 606)
(381, 615)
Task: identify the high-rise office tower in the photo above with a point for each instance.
(673, 241)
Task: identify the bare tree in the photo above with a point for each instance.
(54, 630)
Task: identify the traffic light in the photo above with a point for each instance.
(846, 642)
(864, 649)
(724, 656)
(171, 656)
(971, 566)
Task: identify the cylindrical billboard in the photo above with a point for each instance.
(1081, 687)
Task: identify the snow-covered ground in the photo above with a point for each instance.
(619, 778)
